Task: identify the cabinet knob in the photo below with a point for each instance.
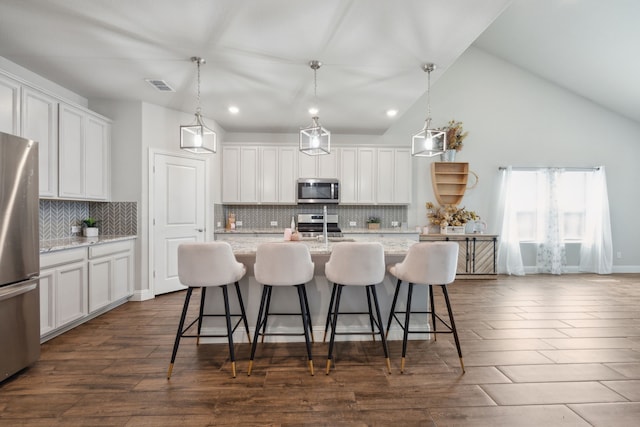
(199, 230)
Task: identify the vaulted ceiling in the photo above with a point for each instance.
(258, 51)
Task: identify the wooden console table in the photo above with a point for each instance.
(477, 255)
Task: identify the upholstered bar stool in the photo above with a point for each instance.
(206, 265)
(282, 264)
(426, 263)
(355, 264)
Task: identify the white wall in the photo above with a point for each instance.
(139, 129)
(515, 118)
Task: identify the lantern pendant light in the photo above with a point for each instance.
(198, 138)
(315, 140)
(428, 142)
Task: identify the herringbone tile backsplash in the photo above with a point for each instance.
(57, 217)
(261, 216)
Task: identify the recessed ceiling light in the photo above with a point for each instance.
(313, 110)
(392, 113)
(234, 110)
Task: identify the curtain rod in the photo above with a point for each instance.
(534, 168)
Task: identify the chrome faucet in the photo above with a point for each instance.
(324, 225)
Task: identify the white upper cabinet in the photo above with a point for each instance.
(40, 123)
(230, 175)
(268, 174)
(394, 176)
(357, 175)
(71, 149)
(324, 166)
(375, 176)
(249, 157)
(348, 175)
(252, 174)
(367, 171)
(288, 161)
(97, 138)
(73, 143)
(9, 105)
(83, 154)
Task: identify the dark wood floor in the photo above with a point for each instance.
(539, 351)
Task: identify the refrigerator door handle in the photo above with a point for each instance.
(6, 294)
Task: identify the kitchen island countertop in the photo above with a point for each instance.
(392, 245)
(349, 230)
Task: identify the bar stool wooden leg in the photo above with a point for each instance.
(336, 310)
(382, 336)
(371, 321)
(183, 316)
(203, 293)
(256, 334)
(405, 335)
(393, 305)
(453, 325)
(433, 312)
(232, 356)
(243, 313)
(266, 311)
(329, 312)
(305, 324)
(306, 306)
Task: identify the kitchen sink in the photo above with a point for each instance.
(341, 239)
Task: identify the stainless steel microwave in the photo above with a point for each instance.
(318, 190)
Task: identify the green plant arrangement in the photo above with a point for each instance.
(455, 135)
(449, 215)
(90, 222)
(373, 222)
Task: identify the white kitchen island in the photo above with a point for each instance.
(319, 291)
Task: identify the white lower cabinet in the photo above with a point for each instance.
(63, 288)
(79, 284)
(110, 274)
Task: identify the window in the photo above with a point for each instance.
(531, 203)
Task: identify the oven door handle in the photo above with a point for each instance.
(16, 290)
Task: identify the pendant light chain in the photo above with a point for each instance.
(315, 83)
(429, 95)
(198, 61)
(428, 68)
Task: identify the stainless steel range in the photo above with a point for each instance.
(311, 225)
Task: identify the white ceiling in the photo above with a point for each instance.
(590, 47)
(257, 52)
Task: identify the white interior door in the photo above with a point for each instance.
(178, 215)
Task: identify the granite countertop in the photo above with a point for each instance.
(78, 241)
(349, 230)
(392, 245)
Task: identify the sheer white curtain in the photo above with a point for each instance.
(551, 256)
(596, 252)
(509, 256)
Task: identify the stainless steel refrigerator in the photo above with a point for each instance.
(19, 255)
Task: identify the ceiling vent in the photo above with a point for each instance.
(160, 85)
